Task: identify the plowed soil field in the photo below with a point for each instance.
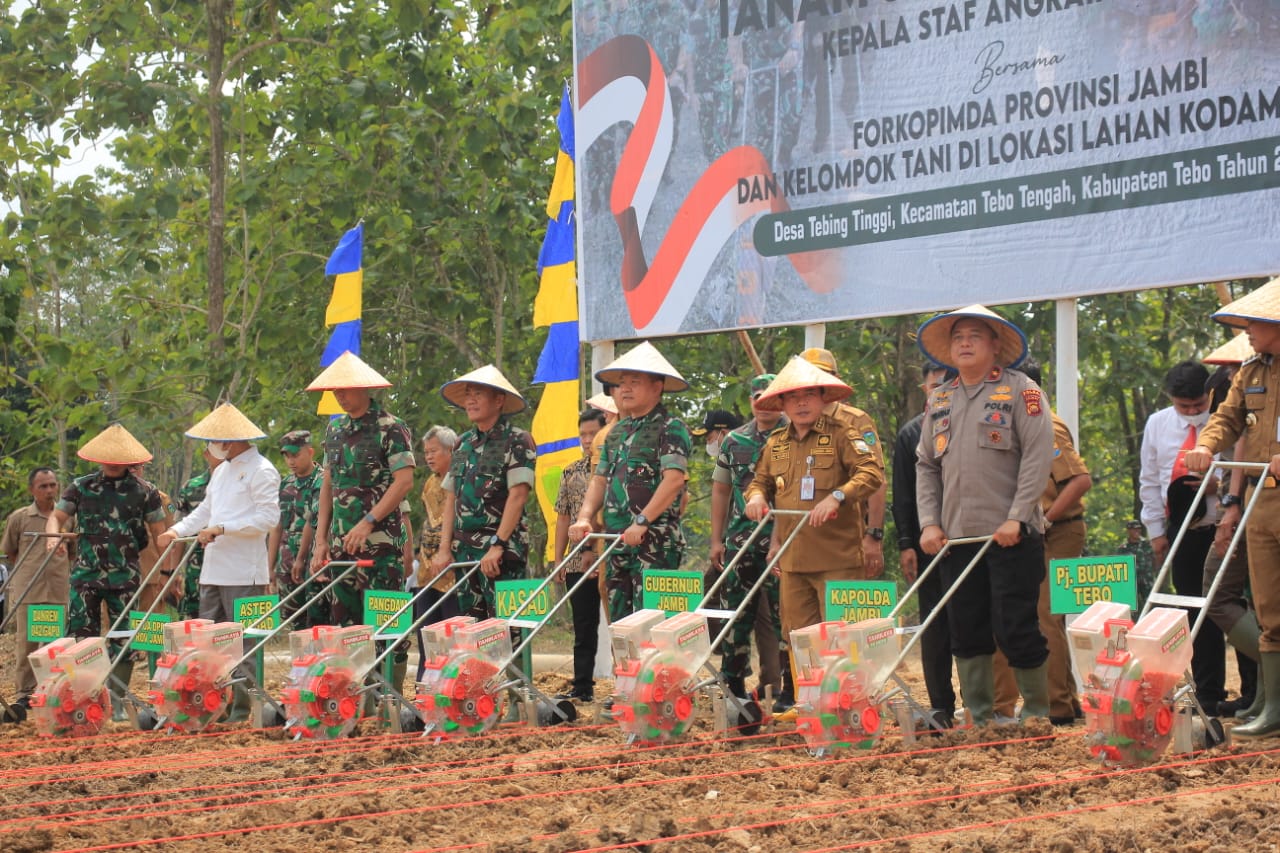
(580, 787)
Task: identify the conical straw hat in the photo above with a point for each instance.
(226, 423)
(644, 358)
(1235, 351)
(604, 403)
(934, 336)
(348, 371)
(490, 376)
(798, 374)
(1262, 304)
(114, 446)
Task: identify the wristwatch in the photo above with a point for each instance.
(1229, 500)
(495, 539)
(371, 518)
(641, 520)
(838, 495)
(876, 533)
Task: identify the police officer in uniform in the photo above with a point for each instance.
(489, 481)
(984, 457)
(1252, 411)
(641, 477)
(826, 468)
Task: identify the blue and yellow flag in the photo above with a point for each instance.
(345, 306)
(555, 423)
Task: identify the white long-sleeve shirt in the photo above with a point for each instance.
(1162, 439)
(244, 499)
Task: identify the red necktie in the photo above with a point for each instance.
(1180, 469)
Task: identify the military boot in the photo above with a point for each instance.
(977, 687)
(787, 698)
(1033, 684)
(737, 685)
(239, 703)
(1268, 720)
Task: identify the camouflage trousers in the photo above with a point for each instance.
(476, 596)
(87, 597)
(284, 587)
(346, 600)
(735, 651)
(190, 606)
(624, 582)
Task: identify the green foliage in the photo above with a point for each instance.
(245, 136)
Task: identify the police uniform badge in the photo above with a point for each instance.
(939, 444)
(1031, 401)
(994, 436)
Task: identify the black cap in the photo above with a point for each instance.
(717, 419)
(1133, 524)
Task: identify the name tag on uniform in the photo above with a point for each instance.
(806, 488)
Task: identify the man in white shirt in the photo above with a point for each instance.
(240, 508)
(1167, 488)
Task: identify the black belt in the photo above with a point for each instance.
(1253, 481)
(1079, 517)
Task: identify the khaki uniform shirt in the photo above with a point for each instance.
(837, 457)
(1252, 409)
(984, 456)
(851, 416)
(1066, 464)
(53, 585)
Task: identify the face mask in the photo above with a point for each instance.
(218, 450)
(713, 449)
(1196, 421)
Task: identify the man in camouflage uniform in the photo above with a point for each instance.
(489, 482)
(368, 471)
(1143, 558)
(291, 539)
(189, 497)
(641, 477)
(730, 529)
(114, 514)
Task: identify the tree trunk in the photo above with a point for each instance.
(217, 11)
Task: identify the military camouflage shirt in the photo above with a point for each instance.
(736, 467)
(296, 494)
(189, 497)
(635, 454)
(111, 518)
(361, 454)
(484, 468)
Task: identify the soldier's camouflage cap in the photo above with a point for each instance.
(760, 384)
(295, 440)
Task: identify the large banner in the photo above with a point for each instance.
(744, 163)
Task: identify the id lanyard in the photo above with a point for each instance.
(806, 482)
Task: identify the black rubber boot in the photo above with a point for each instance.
(787, 698)
(737, 685)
